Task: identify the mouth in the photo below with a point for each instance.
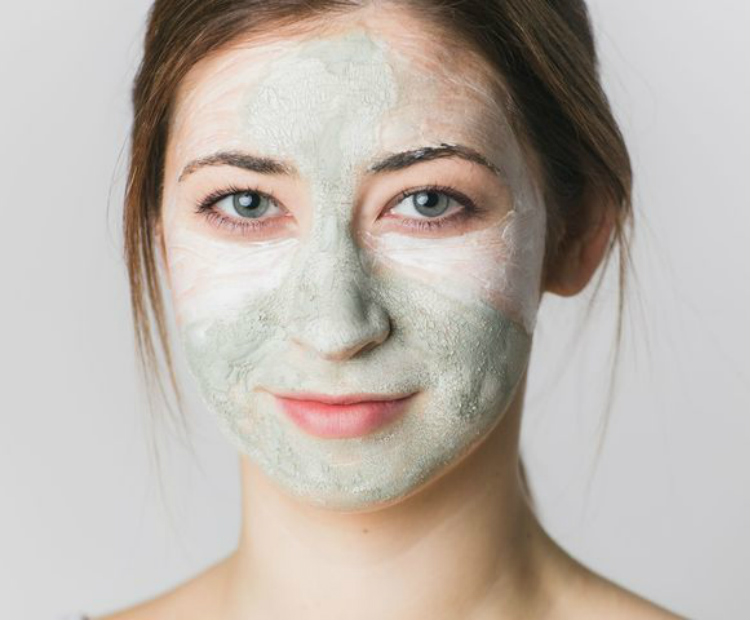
(340, 417)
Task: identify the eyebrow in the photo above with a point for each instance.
(390, 163)
(246, 161)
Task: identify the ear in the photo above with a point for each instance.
(581, 256)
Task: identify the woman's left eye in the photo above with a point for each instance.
(430, 208)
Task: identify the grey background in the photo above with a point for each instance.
(666, 509)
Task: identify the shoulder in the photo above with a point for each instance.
(193, 599)
(609, 600)
(595, 597)
(573, 590)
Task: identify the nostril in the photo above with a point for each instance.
(367, 347)
(378, 338)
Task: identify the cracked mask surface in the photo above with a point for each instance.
(336, 300)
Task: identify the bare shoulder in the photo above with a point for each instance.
(576, 591)
(595, 597)
(193, 599)
(609, 600)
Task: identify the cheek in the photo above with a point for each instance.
(469, 355)
(212, 279)
(466, 267)
(499, 266)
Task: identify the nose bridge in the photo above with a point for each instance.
(332, 311)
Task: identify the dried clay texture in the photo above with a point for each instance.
(449, 316)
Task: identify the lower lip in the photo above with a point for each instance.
(342, 421)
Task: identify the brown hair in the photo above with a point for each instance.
(542, 50)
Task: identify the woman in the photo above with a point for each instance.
(358, 206)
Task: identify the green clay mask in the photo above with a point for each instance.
(338, 297)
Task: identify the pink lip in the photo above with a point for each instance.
(353, 415)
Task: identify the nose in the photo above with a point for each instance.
(332, 312)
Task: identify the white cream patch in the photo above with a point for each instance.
(331, 307)
(211, 277)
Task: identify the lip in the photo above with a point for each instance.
(339, 417)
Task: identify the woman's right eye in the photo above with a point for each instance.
(243, 211)
(247, 205)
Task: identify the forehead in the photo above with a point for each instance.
(358, 90)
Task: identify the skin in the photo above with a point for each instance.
(461, 542)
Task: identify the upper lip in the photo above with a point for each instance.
(344, 399)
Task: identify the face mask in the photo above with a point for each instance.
(335, 300)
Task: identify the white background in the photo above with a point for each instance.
(665, 511)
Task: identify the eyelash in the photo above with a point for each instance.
(470, 209)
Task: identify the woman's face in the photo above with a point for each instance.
(349, 213)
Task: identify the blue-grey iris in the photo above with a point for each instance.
(249, 204)
(430, 203)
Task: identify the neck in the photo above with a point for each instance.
(466, 544)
